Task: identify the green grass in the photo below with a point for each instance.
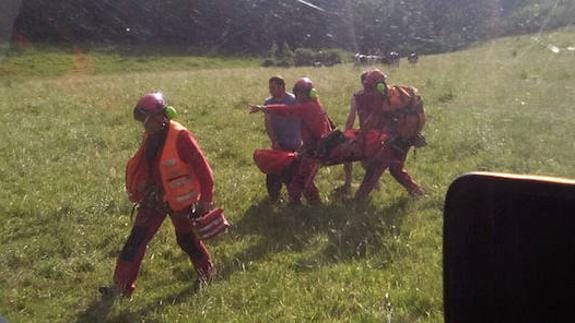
(500, 106)
(49, 61)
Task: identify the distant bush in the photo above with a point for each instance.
(268, 62)
(284, 63)
(283, 57)
(322, 57)
(286, 56)
(305, 57)
(273, 53)
(330, 57)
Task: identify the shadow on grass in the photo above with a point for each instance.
(353, 231)
(98, 311)
(159, 302)
(366, 231)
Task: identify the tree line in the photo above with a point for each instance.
(252, 26)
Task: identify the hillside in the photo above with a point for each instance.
(504, 106)
(251, 26)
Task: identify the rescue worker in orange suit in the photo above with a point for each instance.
(376, 105)
(315, 124)
(284, 133)
(353, 111)
(168, 175)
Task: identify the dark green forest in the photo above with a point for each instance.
(252, 26)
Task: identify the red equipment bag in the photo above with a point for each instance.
(271, 161)
(210, 224)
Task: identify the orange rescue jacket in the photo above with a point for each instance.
(180, 185)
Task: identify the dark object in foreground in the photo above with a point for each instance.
(509, 249)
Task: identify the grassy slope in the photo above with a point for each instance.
(46, 61)
(502, 106)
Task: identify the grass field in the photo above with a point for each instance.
(505, 106)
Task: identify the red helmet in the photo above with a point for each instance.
(373, 77)
(151, 103)
(303, 85)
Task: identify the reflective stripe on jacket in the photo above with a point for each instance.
(180, 184)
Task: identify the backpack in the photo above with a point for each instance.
(408, 119)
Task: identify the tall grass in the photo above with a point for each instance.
(42, 60)
(501, 106)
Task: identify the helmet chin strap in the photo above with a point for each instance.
(163, 123)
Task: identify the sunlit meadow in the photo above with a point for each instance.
(67, 132)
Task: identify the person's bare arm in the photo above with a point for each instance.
(347, 167)
(352, 113)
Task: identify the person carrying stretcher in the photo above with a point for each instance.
(284, 134)
(395, 116)
(315, 125)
